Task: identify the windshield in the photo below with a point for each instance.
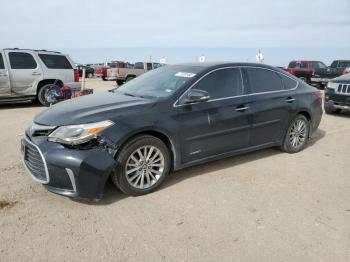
(159, 83)
(320, 65)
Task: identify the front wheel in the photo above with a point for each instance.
(104, 78)
(331, 110)
(143, 164)
(297, 135)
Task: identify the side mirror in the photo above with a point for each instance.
(196, 96)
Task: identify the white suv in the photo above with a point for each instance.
(31, 74)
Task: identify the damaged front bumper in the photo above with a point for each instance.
(78, 173)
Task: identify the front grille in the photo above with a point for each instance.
(34, 162)
(343, 89)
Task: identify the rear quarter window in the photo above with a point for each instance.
(19, 60)
(288, 82)
(292, 64)
(55, 61)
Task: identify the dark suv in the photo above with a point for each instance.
(337, 95)
(167, 119)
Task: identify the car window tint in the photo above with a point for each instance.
(303, 65)
(288, 82)
(292, 64)
(55, 61)
(20, 60)
(138, 65)
(263, 80)
(2, 66)
(149, 66)
(222, 83)
(344, 64)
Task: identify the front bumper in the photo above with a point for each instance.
(78, 173)
(336, 100)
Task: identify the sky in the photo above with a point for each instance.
(93, 31)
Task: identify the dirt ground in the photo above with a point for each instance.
(262, 206)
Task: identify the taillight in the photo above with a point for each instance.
(76, 75)
(313, 72)
(319, 95)
(291, 71)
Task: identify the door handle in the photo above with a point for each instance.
(290, 99)
(36, 74)
(241, 108)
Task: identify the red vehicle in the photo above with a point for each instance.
(102, 71)
(315, 73)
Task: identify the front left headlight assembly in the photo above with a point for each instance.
(78, 134)
(332, 85)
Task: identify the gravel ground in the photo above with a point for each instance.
(262, 206)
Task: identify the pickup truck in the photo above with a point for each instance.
(315, 73)
(102, 71)
(128, 73)
(27, 74)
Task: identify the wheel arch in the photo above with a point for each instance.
(48, 81)
(163, 136)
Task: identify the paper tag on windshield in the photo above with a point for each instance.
(184, 74)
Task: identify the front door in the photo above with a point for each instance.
(4, 77)
(25, 72)
(219, 125)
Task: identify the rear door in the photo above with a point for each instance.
(25, 72)
(219, 125)
(4, 77)
(271, 99)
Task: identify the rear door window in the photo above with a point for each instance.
(303, 65)
(55, 61)
(19, 60)
(263, 80)
(139, 65)
(292, 64)
(222, 83)
(344, 64)
(2, 65)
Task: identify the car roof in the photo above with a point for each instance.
(214, 65)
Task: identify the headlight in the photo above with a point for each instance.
(78, 134)
(332, 85)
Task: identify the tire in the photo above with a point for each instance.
(331, 110)
(299, 130)
(136, 178)
(119, 82)
(129, 78)
(104, 78)
(90, 75)
(43, 95)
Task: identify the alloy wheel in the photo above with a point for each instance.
(144, 167)
(298, 133)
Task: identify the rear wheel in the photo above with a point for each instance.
(90, 75)
(119, 82)
(48, 94)
(297, 135)
(143, 164)
(129, 78)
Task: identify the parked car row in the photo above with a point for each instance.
(121, 71)
(316, 73)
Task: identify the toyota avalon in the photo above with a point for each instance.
(168, 119)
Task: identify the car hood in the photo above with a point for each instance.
(92, 108)
(343, 78)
